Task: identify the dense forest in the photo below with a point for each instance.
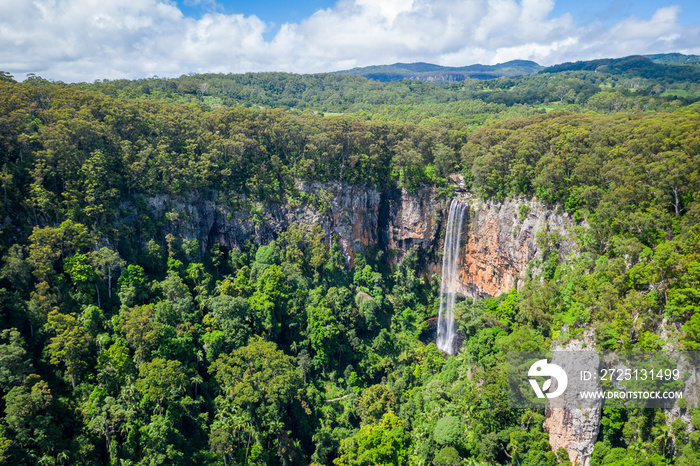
(632, 84)
(123, 343)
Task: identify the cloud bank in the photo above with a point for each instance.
(83, 40)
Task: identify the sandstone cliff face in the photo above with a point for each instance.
(502, 240)
(412, 220)
(498, 243)
(360, 217)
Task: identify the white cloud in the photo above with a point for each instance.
(662, 22)
(76, 40)
(386, 10)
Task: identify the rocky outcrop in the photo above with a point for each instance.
(575, 430)
(570, 424)
(412, 221)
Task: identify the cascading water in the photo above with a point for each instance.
(446, 320)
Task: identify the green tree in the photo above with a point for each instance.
(323, 333)
(116, 361)
(260, 379)
(30, 415)
(141, 329)
(82, 274)
(71, 345)
(15, 363)
(384, 443)
(16, 268)
(163, 442)
(231, 315)
(132, 285)
(105, 415)
(692, 333)
(161, 381)
(374, 402)
(269, 300)
(106, 262)
(447, 456)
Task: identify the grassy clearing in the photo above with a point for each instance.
(680, 93)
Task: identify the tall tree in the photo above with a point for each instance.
(71, 344)
(262, 380)
(107, 262)
(161, 381)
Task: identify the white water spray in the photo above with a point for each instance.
(446, 320)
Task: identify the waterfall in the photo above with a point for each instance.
(453, 234)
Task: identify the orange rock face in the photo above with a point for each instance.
(501, 241)
(487, 266)
(574, 430)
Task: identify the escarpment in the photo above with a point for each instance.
(501, 238)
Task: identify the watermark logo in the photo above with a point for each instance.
(543, 369)
(588, 378)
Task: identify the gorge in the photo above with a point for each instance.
(488, 247)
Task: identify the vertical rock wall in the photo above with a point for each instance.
(502, 241)
(498, 243)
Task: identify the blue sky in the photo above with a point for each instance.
(609, 12)
(274, 12)
(83, 40)
(279, 11)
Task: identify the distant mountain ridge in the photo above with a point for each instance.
(662, 67)
(674, 59)
(652, 66)
(442, 74)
